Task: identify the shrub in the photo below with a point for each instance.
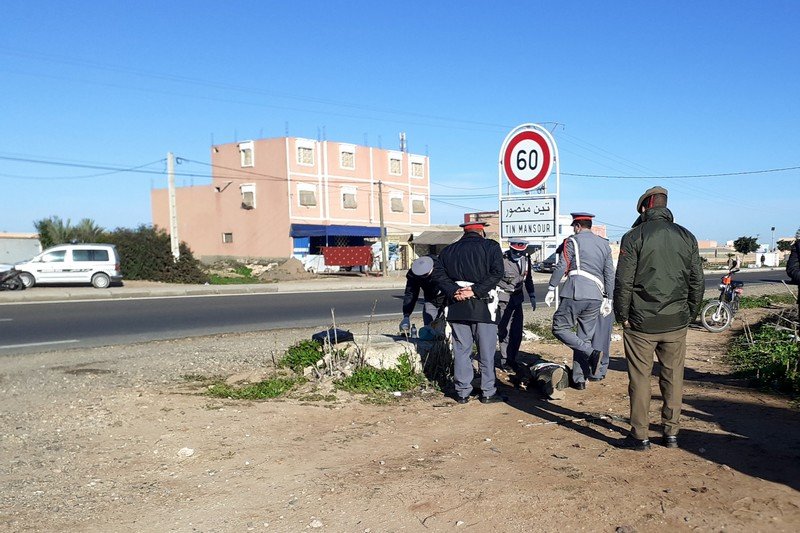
(304, 353)
(766, 300)
(770, 357)
(146, 253)
(367, 379)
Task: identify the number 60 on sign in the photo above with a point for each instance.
(528, 159)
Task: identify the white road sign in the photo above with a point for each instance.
(528, 217)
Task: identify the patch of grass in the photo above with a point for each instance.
(269, 388)
(368, 380)
(543, 329)
(317, 397)
(216, 279)
(770, 360)
(766, 300)
(304, 353)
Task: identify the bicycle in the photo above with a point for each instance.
(718, 316)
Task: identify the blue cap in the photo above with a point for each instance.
(422, 266)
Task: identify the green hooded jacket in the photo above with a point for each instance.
(659, 282)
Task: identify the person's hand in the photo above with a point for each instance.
(405, 324)
(606, 307)
(533, 303)
(551, 295)
(464, 293)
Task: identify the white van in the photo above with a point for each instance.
(97, 264)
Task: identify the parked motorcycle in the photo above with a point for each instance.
(718, 316)
(10, 280)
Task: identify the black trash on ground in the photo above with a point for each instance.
(332, 336)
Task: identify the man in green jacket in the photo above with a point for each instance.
(658, 290)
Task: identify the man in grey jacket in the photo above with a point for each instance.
(516, 277)
(586, 262)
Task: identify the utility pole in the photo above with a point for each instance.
(772, 240)
(383, 229)
(173, 212)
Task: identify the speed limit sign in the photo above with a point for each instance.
(528, 159)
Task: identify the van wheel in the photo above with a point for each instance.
(101, 281)
(27, 279)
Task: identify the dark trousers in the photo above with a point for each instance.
(509, 329)
(670, 349)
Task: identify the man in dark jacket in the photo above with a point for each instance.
(419, 278)
(793, 266)
(468, 274)
(657, 293)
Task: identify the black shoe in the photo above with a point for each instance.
(461, 400)
(670, 441)
(594, 361)
(496, 398)
(601, 378)
(578, 385)
(632, 443)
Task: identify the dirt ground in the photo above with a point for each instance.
(100, 440)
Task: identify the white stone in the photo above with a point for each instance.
(185, 452)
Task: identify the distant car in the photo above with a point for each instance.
(548, 265)
(97, 264)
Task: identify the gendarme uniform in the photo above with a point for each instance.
(476, 262)
(586, 262)
(516, 277)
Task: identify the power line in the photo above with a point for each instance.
(720, 175)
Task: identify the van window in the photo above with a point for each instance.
(90, 255)
(54, 257)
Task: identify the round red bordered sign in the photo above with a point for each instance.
(528, 159)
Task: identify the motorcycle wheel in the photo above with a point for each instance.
(716, 317)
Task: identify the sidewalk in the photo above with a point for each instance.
(151, 289)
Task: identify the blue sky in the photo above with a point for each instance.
(629, 89)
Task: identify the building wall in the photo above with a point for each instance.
(293, 181)
(16, 247)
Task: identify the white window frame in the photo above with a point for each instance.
(247, 146)
(248, 188)
(347, 148)
(307, 187)
(396, 195)
(399, 157)
(418, 198)
(416, 161)
(349, 190)
(311, 145)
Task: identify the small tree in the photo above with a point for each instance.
(54, 231)
(746, 245)
(784, 246)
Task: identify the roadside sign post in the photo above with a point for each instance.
(528, 205)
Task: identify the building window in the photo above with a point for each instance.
(246, 154)
(417, 169)
(227, 238)
(395, 166)
(418, 204)
(347, 157)
(349, 198)
(396, 202)
(248, 195)
(306, 195)
(305, 152)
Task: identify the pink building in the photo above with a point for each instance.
(273, 198)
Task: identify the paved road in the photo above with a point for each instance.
(158, 313)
